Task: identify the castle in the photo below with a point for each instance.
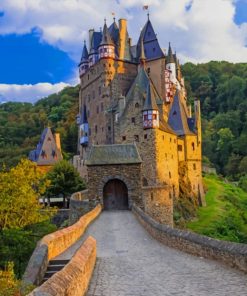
(136, 130)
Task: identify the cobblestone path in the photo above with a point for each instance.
(131, 263)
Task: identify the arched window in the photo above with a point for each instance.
(136, 105)
(144, 181)
(193, 146)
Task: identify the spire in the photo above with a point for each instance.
(170, 57)
(106, 37)
(142, 57)
(84, 56)
(150, 102)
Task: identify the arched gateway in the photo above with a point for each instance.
(115, 195)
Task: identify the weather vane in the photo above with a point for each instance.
(146, 7)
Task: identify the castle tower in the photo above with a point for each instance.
(150, 110)
(84, 128)
(171, 65)
(84, 64)
(106, 47)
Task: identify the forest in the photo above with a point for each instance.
(220, 86)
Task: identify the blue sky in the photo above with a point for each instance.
(41, 42)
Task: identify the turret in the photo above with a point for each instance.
(150, 110)
(95, 39)
(171, 65)
(84, 127)
(142, 58)
(83, 66)
(106, 48)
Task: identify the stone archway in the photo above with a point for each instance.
(115, 195)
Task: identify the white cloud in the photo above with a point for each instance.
(28, 92)
(204, 32)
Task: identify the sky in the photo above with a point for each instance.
(41, 40)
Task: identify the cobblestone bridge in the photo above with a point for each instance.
(131, 263)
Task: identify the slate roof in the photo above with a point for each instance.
(170, 56)
(46, 150)
(177, 117)
(150, 102)
(113, 154)
(106, 37)
(151, 44)
(95, 42)
(84, 56)
(114, 32)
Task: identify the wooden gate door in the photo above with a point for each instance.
(115, 195)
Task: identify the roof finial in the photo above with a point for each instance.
(84, 42)
(105, 20)
(148, 15)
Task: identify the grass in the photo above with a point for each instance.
(225, 216)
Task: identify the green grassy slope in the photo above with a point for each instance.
(225, 216)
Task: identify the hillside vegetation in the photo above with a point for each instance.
(221, 87)
(225, 216)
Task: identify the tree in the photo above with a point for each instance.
(20, 188)
(64, 180)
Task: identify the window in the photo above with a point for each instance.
(163, 137)
(144, 181)
(174, 112)
(136, 137)
(152, 196)
(133, 120)
(43, 154)
(49, 139)
(105, 49)
(180, 148)
(145, 136)
(174, 140)
(102, 129)
(123, 138)
(148, 71)
(102, 107)
(54, 154)
(93, 94)
(97, 109)
(194, 166)
(99, 90)
(170, 140)
(136, 105)
(170, 175)
(193, 146)
(109, 128)
(88, 77)
(96, 129)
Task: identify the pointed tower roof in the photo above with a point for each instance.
(170, 56)
(150, 41)
(47, 152)
(177, 117)
(114, 31)
(106, 37)
(84, 56)
(150, 102)
(95, 42)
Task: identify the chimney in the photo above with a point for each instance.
(90, 33)
(57, 141)
(122, 37)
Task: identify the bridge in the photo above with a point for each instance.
(132, 262)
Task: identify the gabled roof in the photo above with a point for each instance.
(177, 117)
(151, 44)
(47, 152)
(95, 42)
(113, 154)
(150, 102)
(84, 56)
(106, 37)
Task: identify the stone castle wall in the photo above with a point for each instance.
(130, 174)
(232, 254)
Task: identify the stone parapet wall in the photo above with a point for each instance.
(74, 278)
(79, 206)
(52, 245)
(232, 254)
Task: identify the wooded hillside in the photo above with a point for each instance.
(221, 87)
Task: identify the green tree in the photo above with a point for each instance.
(64, 180)
(20, 188)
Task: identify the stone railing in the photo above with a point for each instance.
(79, 205)
(74, 278)
(52, 245)
(232, 254)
